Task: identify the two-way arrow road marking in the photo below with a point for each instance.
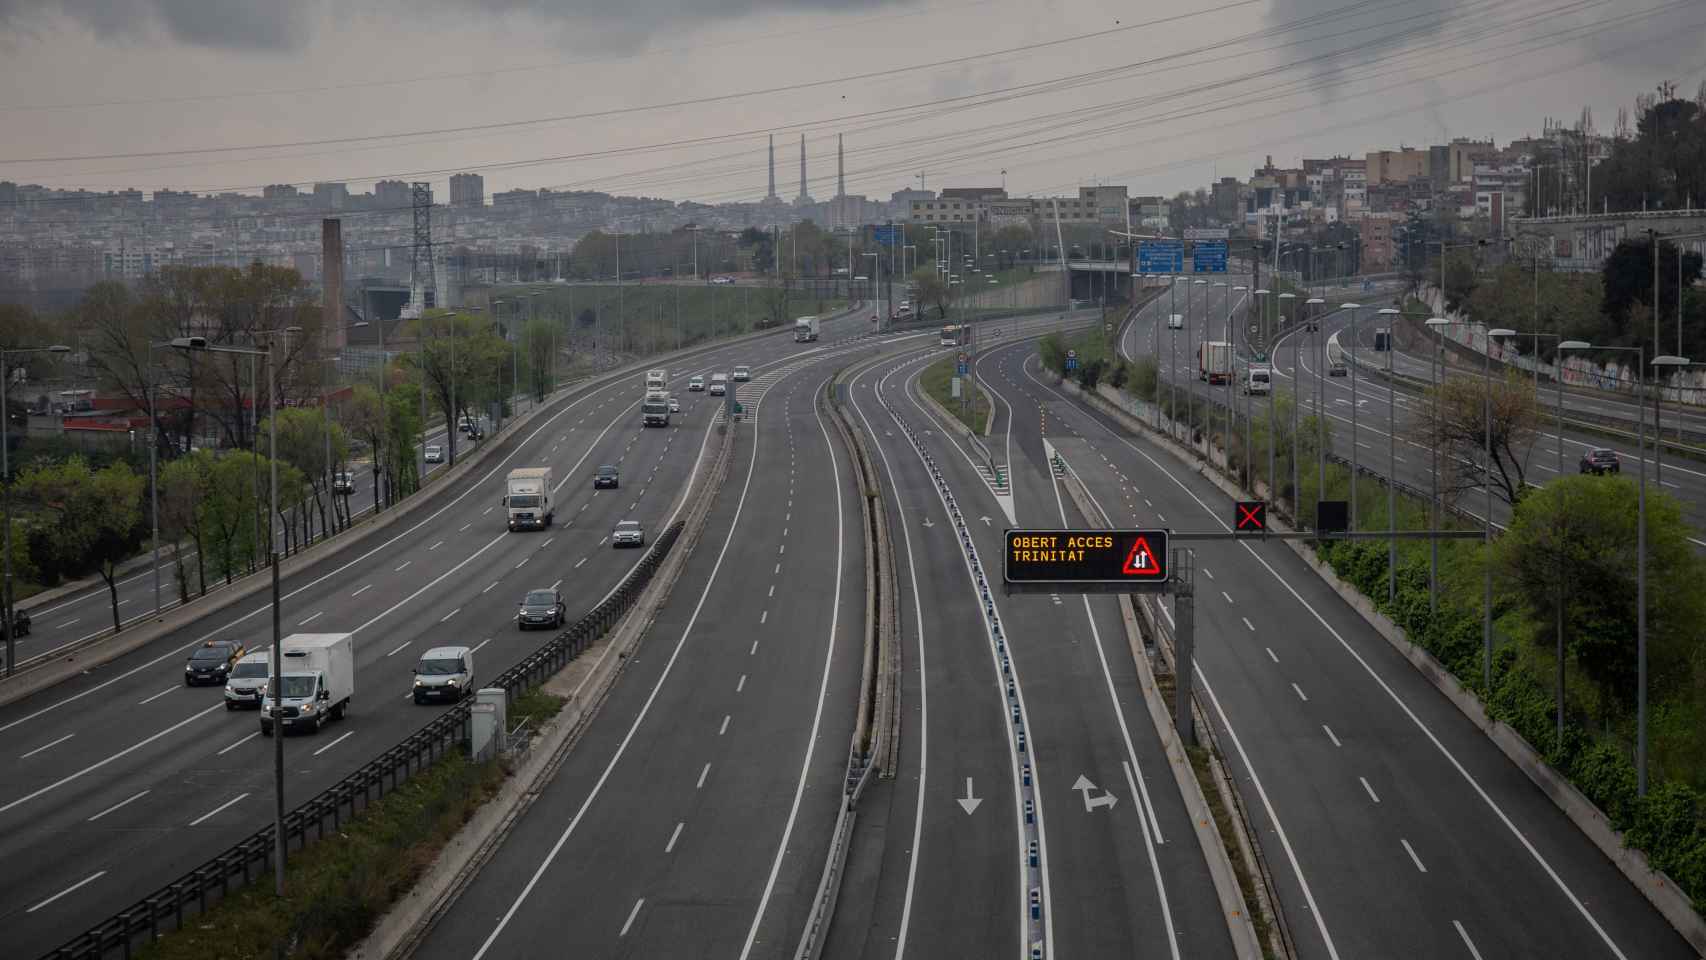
(969, 803)
(1084, 786)
(928, 523)
(985, 520)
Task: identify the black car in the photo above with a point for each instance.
(21, 621)
(1601, 460)
(210, 662)
(606, 476)
(541, 608)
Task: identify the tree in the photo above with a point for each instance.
(539, 344)
(1574, 543)
(1460, 433)
(928, 289)
(364, 417)
(1628, 280)
(303, 442)
(460, 353)
(184, 487)
(97, 515)
(1460, 279)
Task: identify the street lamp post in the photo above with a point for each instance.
(1273, 438)
(1190, 335)
(1320, 415)
(1391, 315)
(1352, 369)
(6, 493)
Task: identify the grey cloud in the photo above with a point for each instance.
(263, 25)
(624, 25)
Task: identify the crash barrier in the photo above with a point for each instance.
(166, 907)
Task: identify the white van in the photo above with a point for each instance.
(243, 685)
(719, 384)
(1258, 380)
(444, 673)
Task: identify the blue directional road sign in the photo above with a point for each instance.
(962, 365)
(1209, 256)
(886, 235)
(1160, 256)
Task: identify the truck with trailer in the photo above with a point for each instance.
(528, 498)
(805, 330)
(1214, 361)
(316, 682)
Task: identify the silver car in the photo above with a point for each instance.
(434, 454)
(628, 533)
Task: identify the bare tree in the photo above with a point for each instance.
(1460, 433)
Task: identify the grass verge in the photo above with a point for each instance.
(1227, 826)
(936, 381)
(335, 892)
(535, 706)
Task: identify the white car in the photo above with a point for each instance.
(724, 280)
(696, 385)
(434, 453)
(674, 405)
(743, 374)
(628, 534)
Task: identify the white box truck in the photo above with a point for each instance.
(805, 330)
(1214, 361)
(657, 381)
(654, 410)
(317, 680)
(527, 498)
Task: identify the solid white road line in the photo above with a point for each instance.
(198, 820)
(225, 750)
(86, 880)
(1412, 852)
(158, 695)
(47, 745)
(1330, 735)
(631, 915)
(1365, 786)
(134, 796)
(339, 740)
(674, 836)
(702, 775)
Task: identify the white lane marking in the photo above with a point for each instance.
(1209, 572)
(86, 880)
(754, 651)
(487, 510)
(763, 616)
(674, 836)
(134, 796)
(524, 560)
(631, 915)
(400, 569)
(47, 745)
(339, 740)
(1331, 736)
(436, 545)
(235, 745)
(482, 643)
(579, 562)
(362, 590)
(1228, 596)
(464, 527)
(772, 592)
(446, 617)
(782, 549)
(548, 542)
(702, 775)
(557, 584)
(158, 695)
(725, 727)
(489, 587)
(777, 570)
(741, 684)
(311, 618)
(209, 814)
(1466, 941)
(1271, 655)
(400, 647)
(1248, 625)
(1371, 793)
(70, 622)
(1412, 852)
(1300, 694)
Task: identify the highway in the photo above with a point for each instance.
(1390, 823)
(83, 614)
(1297, 358)
(123, 778)
(1118, 870)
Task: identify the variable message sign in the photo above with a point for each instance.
(1084, 560)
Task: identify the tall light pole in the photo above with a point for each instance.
(276, 685)
(1231, 374)
(6, 494)
(1320, 415)
(1311, 310)
(1391, 315)
(1352, 370)
(1273, 438)
(1190, 334)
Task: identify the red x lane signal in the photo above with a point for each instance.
(1252, 516)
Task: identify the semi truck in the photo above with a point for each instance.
(316, 682)
(1214, 361)
(528, 498)
(805, 330)
(655, 410)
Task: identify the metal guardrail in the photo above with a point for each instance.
(252, 856)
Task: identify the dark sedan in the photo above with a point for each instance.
(541, 608)
(211, 661)
(606, 476)
(1601, 460)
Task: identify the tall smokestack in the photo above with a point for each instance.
(772, 194)
(332, 282)
(804, 197)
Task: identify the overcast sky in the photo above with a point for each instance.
(596, 93)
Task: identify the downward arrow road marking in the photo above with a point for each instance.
(969, 803)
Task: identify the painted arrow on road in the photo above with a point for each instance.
(969, 803)
(1084, 786)
(928, 523)
(985, 520)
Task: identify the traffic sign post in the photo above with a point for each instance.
(1071, 360)
(1161, 256)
